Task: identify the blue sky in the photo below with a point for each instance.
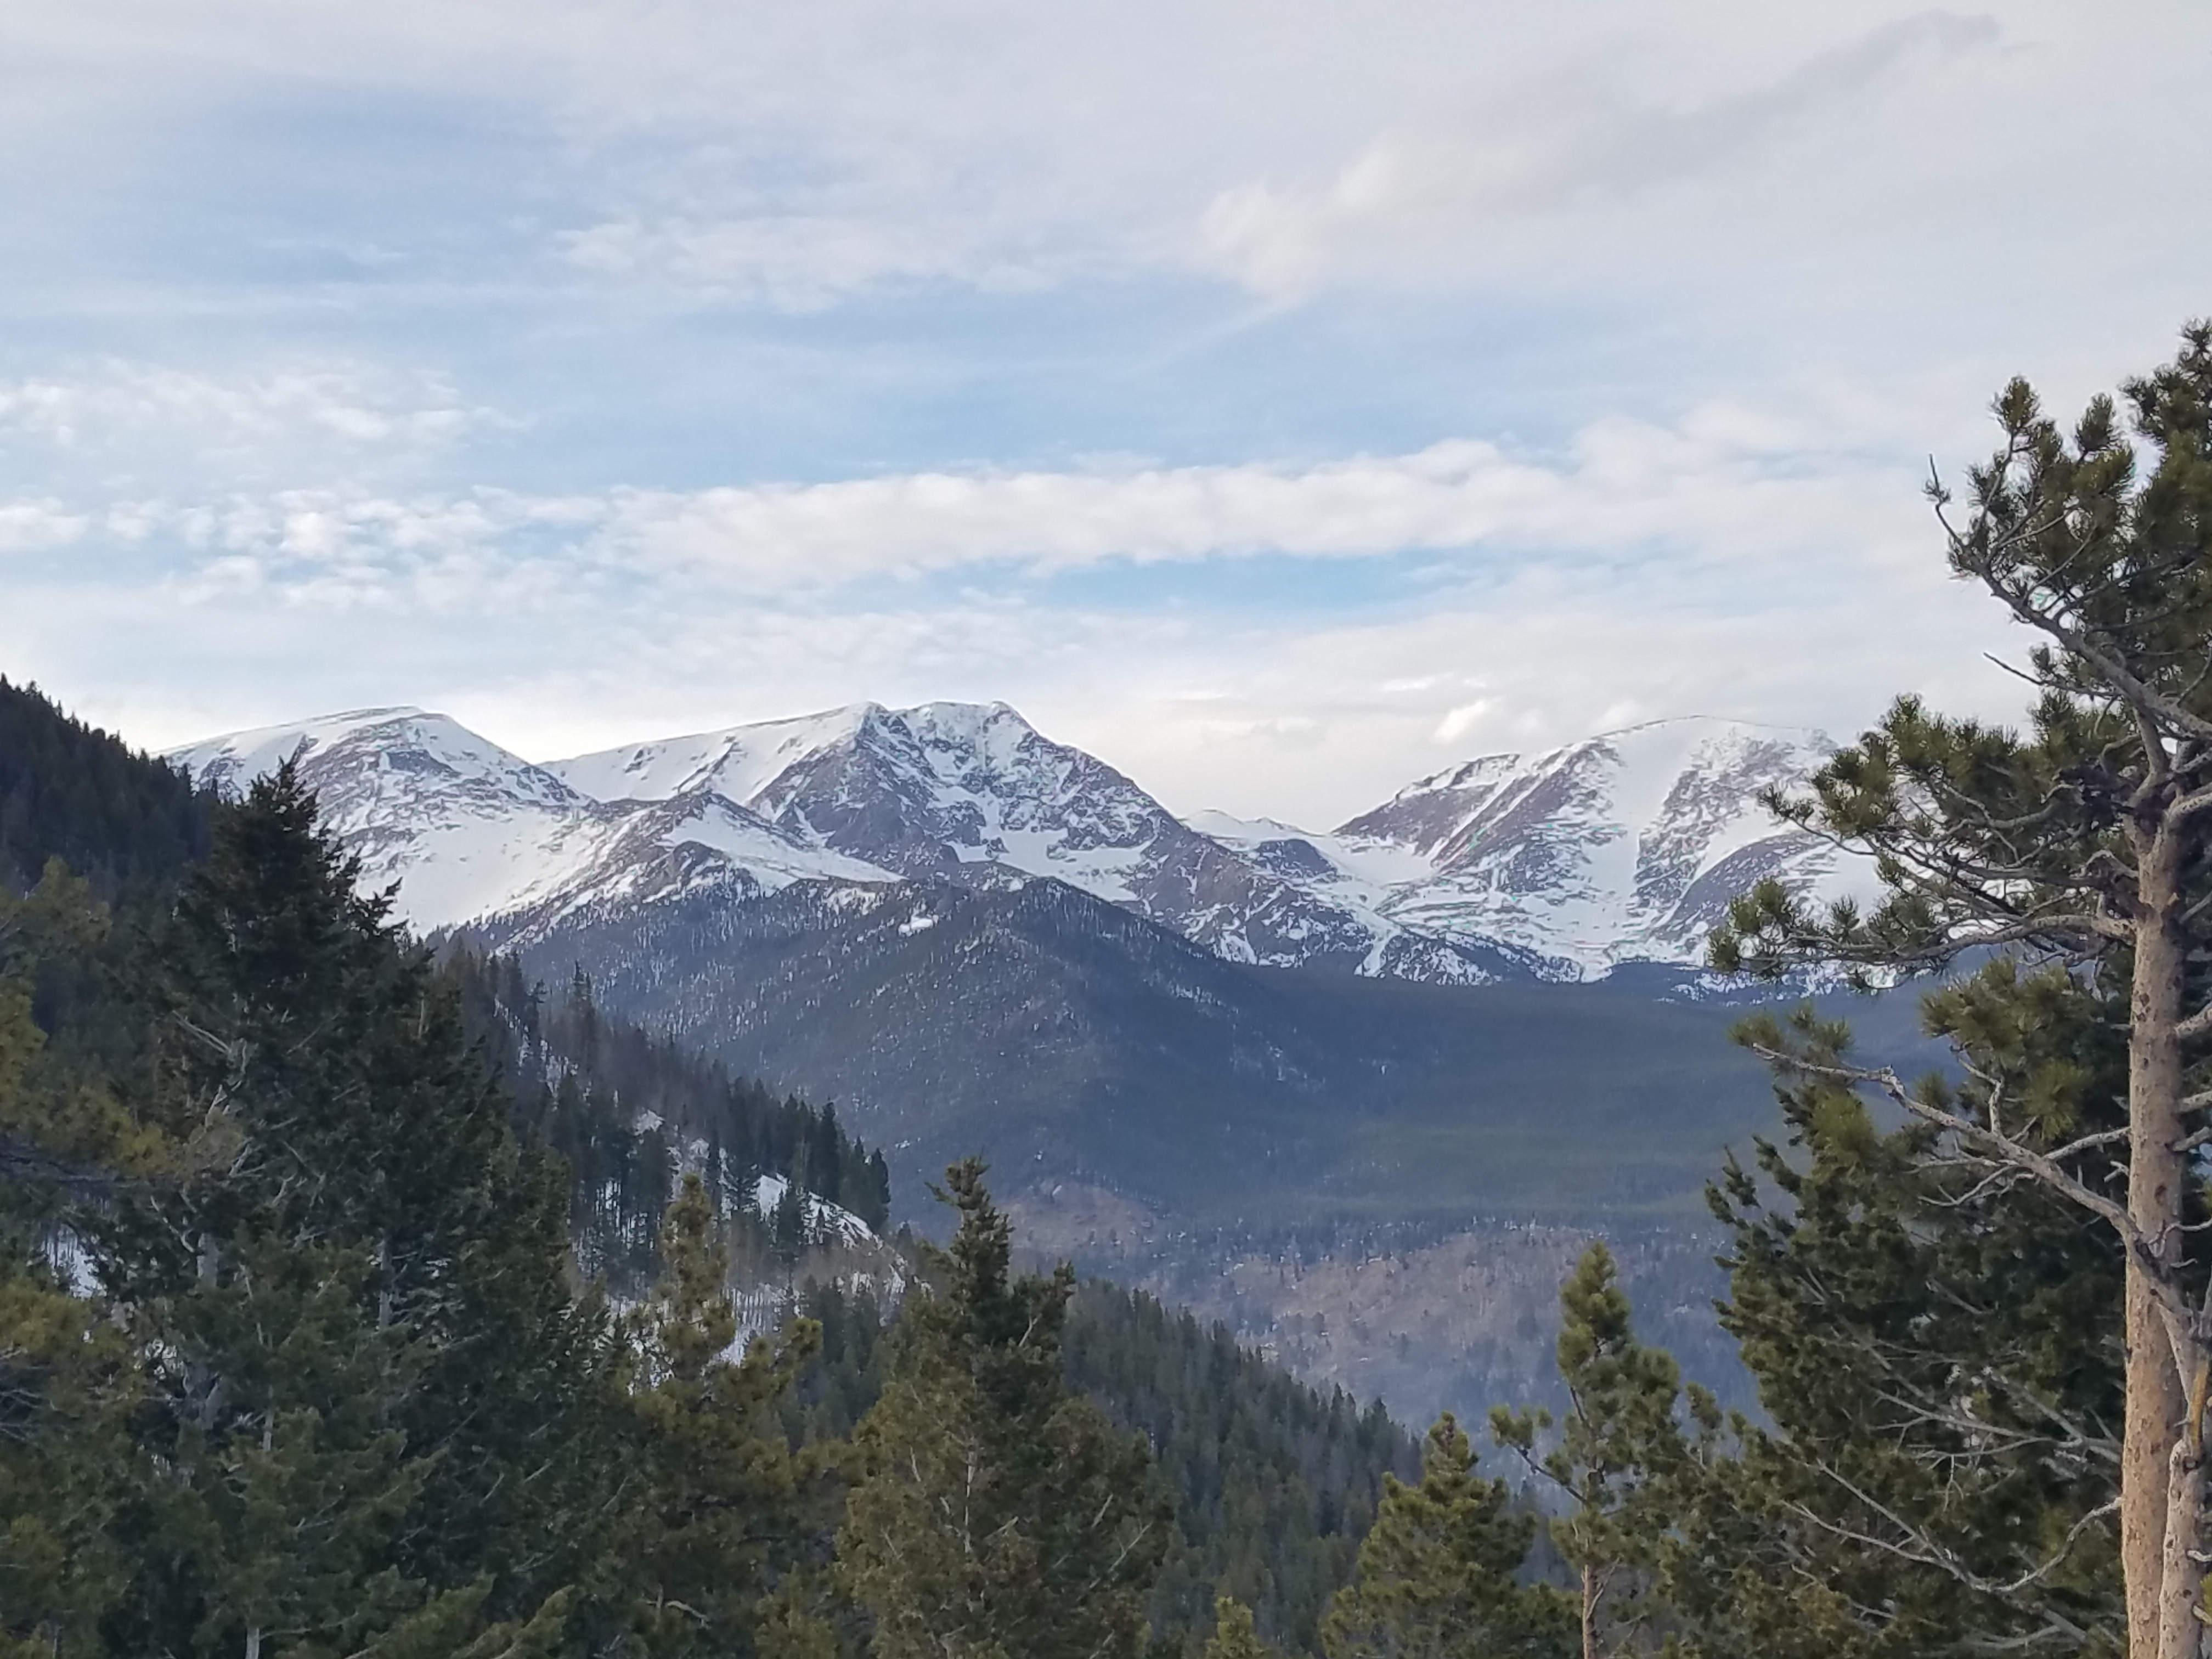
(1281, 400)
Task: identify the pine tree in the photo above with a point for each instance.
(1437, 1571)
(1233, 1636)
(1623, 1463)
(995, 1516)
(65, 1384)
(721, 1507)
(1940, 1378)
(2084, 842)
(334, 1435)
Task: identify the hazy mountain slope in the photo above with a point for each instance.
(1073, 1041)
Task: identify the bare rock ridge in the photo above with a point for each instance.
(1622, 848)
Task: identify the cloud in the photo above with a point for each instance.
(1560, 144)
(1622, 487)
(1719, 487)
(121, 416)
(1721, 563)
(39, 526)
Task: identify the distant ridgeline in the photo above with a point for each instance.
(629, 1110)
(116, 816)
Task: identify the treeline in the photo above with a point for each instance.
(70, 791)
(627, 1110)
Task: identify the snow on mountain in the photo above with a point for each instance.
(467, 830)
(968, 792)
(825, 1222)
(1625, 846)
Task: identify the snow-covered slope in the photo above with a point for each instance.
(967, 793)
(468, 830)
(1625, 846)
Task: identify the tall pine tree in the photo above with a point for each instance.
(1438, 1572)
(362, 1360)
(996, 1517)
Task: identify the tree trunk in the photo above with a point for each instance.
(2156, 1406)
(2180, 1632)
(1591, 1591)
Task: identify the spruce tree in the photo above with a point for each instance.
(1438, 1572)
(1623, 1463)
(721, 1508)
(362, 1361)
(994, 1516)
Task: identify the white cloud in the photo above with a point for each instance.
(1717, 565)
(1443, 194)
(28, 526)
(1625, 487)
(1722, 486)
(259, 423)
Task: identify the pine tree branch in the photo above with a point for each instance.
(2184, 1323)
(2140, 696)
(1921, 1548)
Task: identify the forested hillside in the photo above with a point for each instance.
(445, 1151)
(116, 817)
(626, 1110)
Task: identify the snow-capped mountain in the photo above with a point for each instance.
(1625, 846)
(969, 792)
(467, 830)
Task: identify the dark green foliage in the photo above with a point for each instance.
(1623, 1463)
(719, 1508)
(1274, 1482)
(1440, 1571)
(327, 1440)
(119, 817)
(994, 1514)
(847, 1377)
(1937, 1357)
(619, 1104)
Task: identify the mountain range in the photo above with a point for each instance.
(1621, 849)
(1206, 1054)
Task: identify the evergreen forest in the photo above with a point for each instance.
(359, 1301)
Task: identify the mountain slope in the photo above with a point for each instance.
(1075, 1043)
(466, 830)
(967, 792)
(1624, 847)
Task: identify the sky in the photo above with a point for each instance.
(1282, 401)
